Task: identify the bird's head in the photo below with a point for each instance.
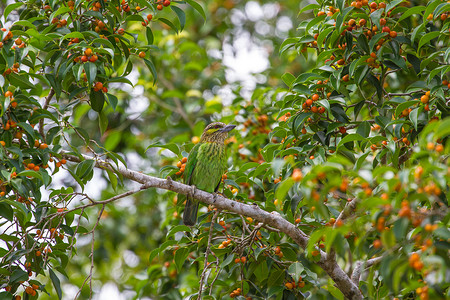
(216, 132)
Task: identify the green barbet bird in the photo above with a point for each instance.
(205, 166)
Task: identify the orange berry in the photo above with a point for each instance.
(377, 244)
(43, 146)
(142, 54)
(38, 253)
(8, 94)
(424, 99)
(298, 220)
(315, 97)
(237, 260)
(289, 285)
(439, 148)
(297, 175)
(243, 259)
(88, 51)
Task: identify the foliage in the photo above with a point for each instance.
(353, 150)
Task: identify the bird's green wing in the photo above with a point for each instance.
(190, 164)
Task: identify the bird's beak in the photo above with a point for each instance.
(227, 128)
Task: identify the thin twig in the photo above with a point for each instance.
(207, 252)
(46, 104)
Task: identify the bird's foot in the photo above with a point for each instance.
(193, 189)
(214, 197)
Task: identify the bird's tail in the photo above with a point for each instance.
(190, 212)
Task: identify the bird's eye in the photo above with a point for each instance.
(217, 126)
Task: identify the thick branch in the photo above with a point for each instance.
(273, 219)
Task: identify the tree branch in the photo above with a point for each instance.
(273, 219)
(41, 121)
(356, 274)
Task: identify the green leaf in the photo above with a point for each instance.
(176, 229)
(295, 270)
(112, 179)
(149, 35)
(400, 108)
(97, 100)
(288, 78)
(388, 238)
(414, 115)
(227, 261)
(197, 7)
(298, 122)
(61, 10)
(309, 6)
(20, 81)
(363, 43)
(6, 211)
(283, 188)
(27, 127)
(18, 275)
(105, 42)
(180, 257)
(56, 283)
(91, 72)
(181, 16)
(31, 173)
(112, 99)
(444, 128)
(393, 4)
(84, 168)
(152, 255)
(103, 121)
(350, 138)
(338, 112)
(10, 8)
(426, 38)
(276, 277)
(168, 23)
(72, 35)
(152, 69)
(172, 147)
(411, 11)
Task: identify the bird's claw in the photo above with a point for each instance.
(193, 189)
